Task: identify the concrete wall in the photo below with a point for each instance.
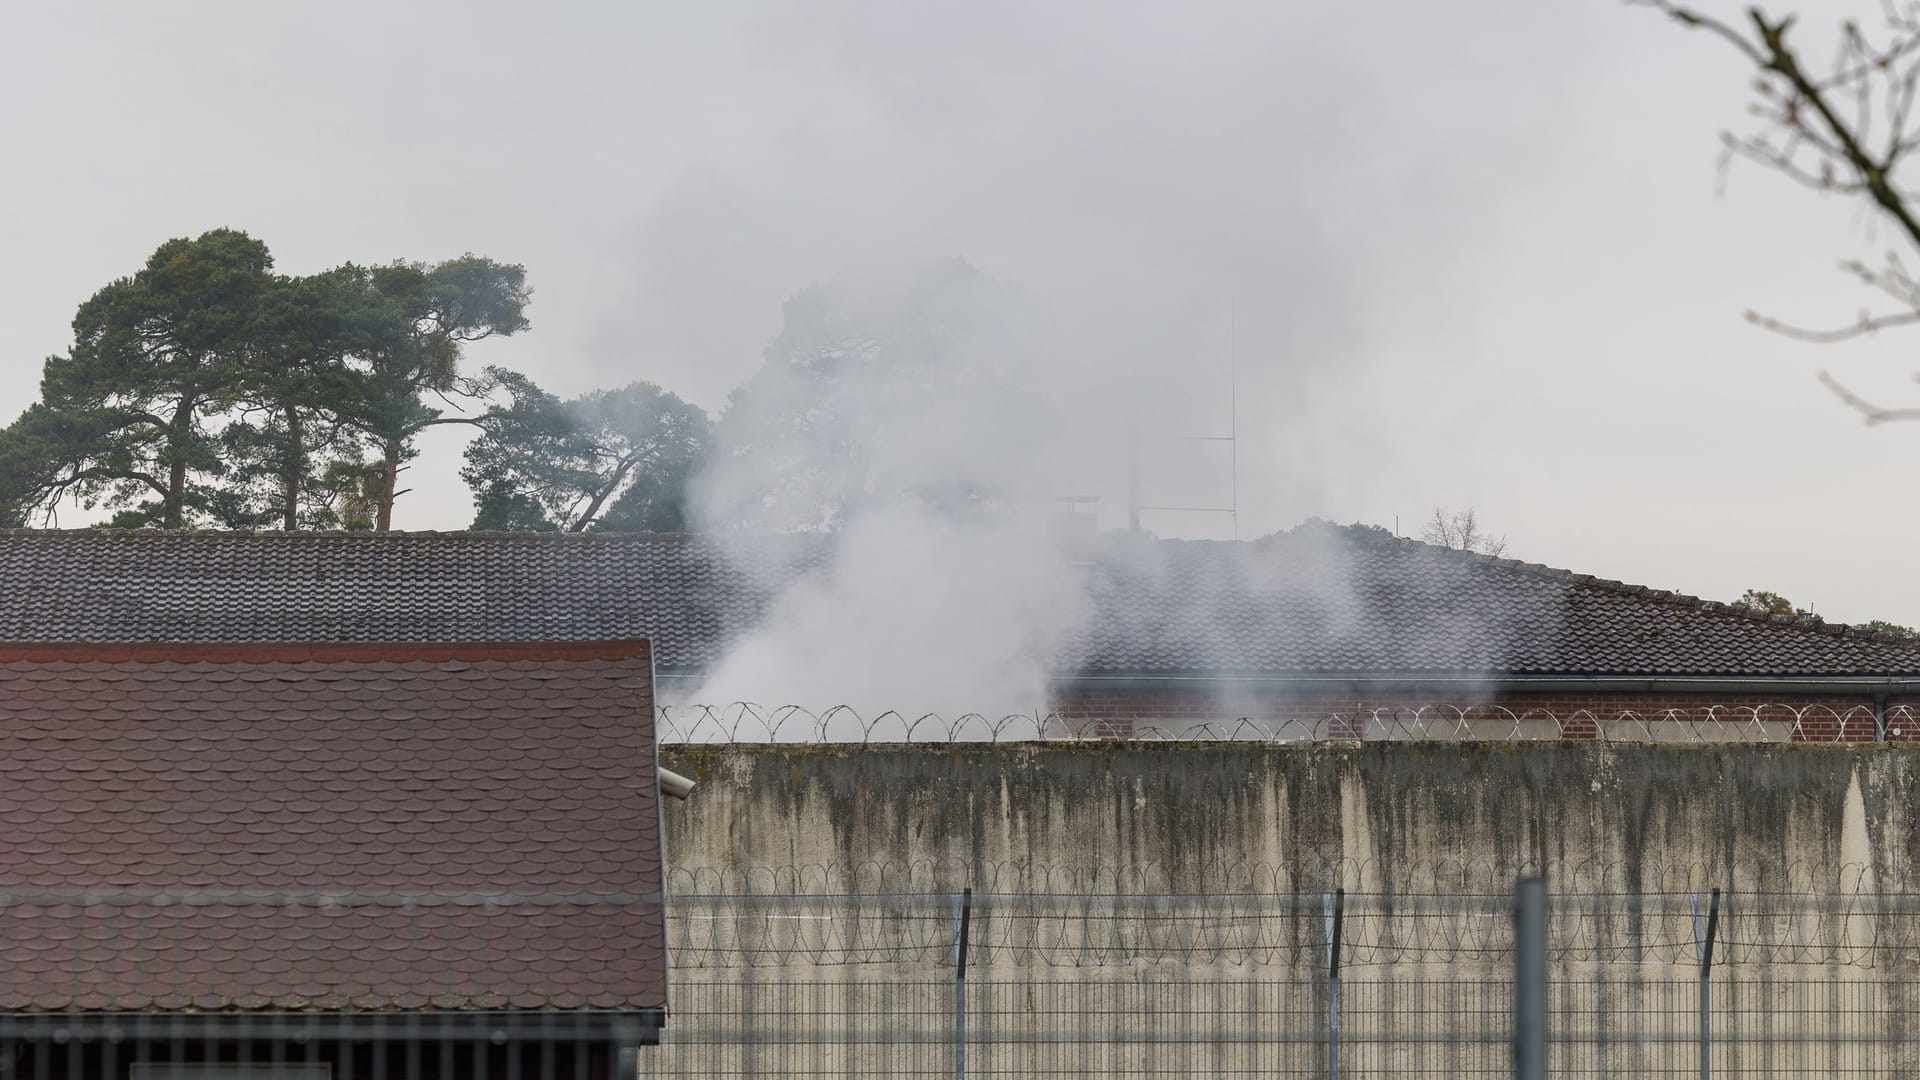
(1426, 987)
(1201, 816)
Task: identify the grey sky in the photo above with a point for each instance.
(1474, 250)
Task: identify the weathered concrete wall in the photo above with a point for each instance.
(1210, 816)
(1820, 989)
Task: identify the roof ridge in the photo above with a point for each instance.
(294, 652)
(351, 534)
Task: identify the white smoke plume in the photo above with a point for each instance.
(1154, 193)
(915, 614)
(896, 419)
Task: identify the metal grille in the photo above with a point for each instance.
(1060, 984)
(1154, 985)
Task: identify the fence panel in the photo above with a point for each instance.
(1139, 985)
(999, 984)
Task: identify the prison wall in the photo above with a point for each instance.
(1198, 817)
(1163, 908)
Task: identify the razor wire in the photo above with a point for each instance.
(1438, 875)
(1773, 722)
(1034, 917)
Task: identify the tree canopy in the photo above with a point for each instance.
(615, 459)
(123, 419)
(1772, 603)
(1890, 629)
(427, 317)
(206, 389)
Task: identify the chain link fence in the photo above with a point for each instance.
(1329, 984)
(1013, 981)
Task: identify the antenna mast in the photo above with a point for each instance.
(1233, 411)
(1231, 438)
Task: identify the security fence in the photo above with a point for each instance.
(1705, 722)
(1013, 980)
(1307, 984)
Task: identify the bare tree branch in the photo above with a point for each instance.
(1461, 531)
(1846, 132)
(1865, 325)
(1871, 413)
(1693, 20)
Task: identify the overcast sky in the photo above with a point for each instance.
(1474, 251)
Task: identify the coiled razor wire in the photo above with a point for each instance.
(1043, 917)
(1776, 722)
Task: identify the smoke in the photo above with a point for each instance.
(917, 614)
(1148, 198)
(894, 418)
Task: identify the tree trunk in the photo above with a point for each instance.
(296, 467)
(599, 499)
(173, 516)
(592, 511)
(389, 482)
(173, 506)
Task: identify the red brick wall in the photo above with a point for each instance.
(1124, 713)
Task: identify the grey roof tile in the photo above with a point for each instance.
(1316, 600)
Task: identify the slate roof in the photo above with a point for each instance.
(357, 827)
(1318, 600)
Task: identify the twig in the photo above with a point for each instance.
(1865, 327)
(1693, 20)
(1871, 413)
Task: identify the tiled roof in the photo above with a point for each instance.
(1329, 600)
(84, 585)
(362, 827)
(1317, 600)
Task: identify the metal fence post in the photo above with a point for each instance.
(1530, 979)
(1703, 953)
(1335, 907)
(962, 917)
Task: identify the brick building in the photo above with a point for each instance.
(1319, 632)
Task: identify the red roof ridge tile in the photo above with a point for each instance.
(163, 535)
(323, 652)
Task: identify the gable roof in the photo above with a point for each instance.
(1319, 600)
(357, 827)
(1329, 600)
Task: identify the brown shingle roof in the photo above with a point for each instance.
(370, 827)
